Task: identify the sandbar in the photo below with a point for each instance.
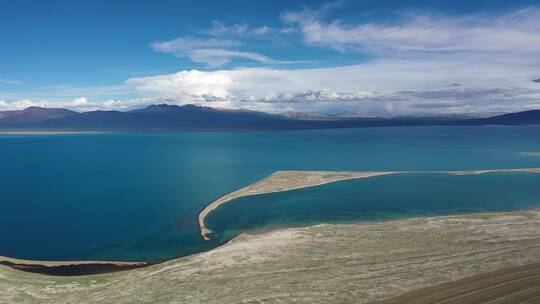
(281, 181)
(290, 180)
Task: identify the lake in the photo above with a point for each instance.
(135, 196)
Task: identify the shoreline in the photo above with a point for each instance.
(316, 178)
(46, 132)
(64, 263)
(281, 181)
(70, 268)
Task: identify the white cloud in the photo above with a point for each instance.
(181, 46)
(324, 95)
(494, 59)
(81, 101)
(6, 105)
(513, 32)
(243, 30)
(10, 81)
(212, 52)
(193, 85)
(220, 57)
(391, 86)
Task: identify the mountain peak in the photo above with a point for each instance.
(195, 117)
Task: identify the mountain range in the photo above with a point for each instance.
(191, 117)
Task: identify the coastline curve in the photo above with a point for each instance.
(290, 180)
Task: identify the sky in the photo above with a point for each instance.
(365, 57)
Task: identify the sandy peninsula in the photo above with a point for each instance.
(477, 258)
(290, 180)
(281, 181)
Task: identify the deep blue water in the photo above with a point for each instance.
(136, 196)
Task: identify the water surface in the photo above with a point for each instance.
(379, 198)
(136, 196)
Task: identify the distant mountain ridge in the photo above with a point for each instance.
(173, 117)
(520, 118)
(192, 117)
(32, 115)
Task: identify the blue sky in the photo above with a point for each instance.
(365, 57)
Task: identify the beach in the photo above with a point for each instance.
(69, 267)
(62, 263)
(327, 263)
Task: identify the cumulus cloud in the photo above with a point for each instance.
(390, 86)
(191, 85)
(77, 103)
(83, 104)
(81, 101)
(309, 96)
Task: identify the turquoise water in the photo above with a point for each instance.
(379, 198)
(136, 196)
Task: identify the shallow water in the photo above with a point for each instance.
(379, 198)
(136, 196)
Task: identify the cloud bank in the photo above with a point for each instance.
(390, 86)
(416, 64)
(517, 31)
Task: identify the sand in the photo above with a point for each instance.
(289, 180)
(281, 181)
(510, 285)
